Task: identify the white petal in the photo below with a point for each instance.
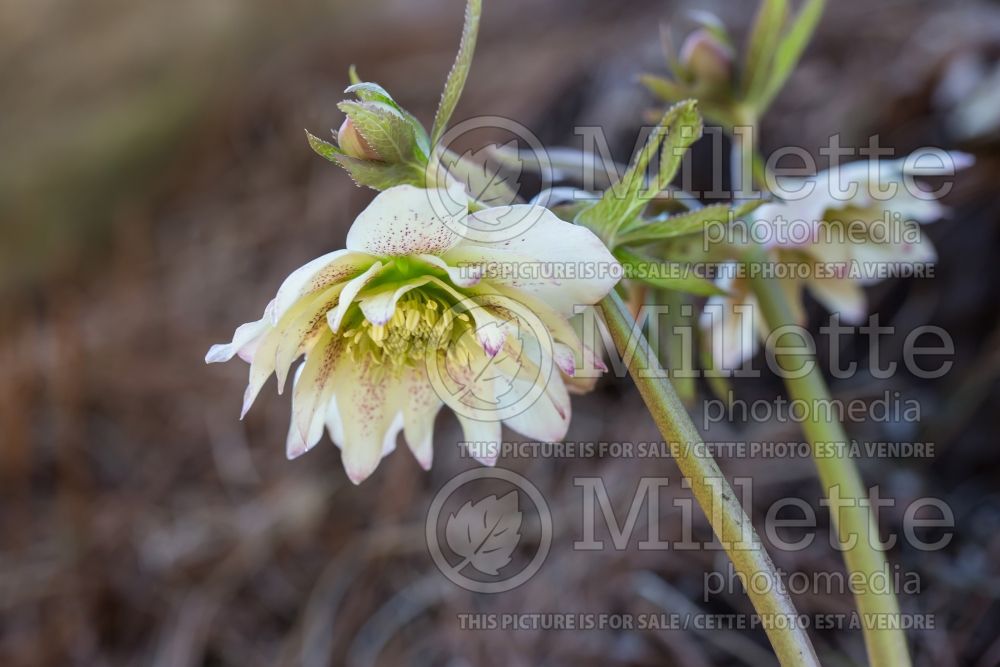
(547, 419)
(297, 442)
(461, 276)
(379, 307)
(331, 268)
(420, 407)
(301, 327)
(260, 370)
(333, 423)
(370, 415)
(314, 383)
(245, 340)
(873, 257)
(406, 220)
(841, 295)
(917, 209)
(731, 330)
(573, 361)
(584, 377)
(565, 359)
(351, 289)
(561, 263)
(482, 438)
(296, 445)
(558, 326)
(794, 223)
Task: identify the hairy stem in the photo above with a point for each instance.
(856, 528)
(716, 497)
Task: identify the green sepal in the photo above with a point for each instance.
(368, 91)
(324, 148)
(381, 175)
(384, 127)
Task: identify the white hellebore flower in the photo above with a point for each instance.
(845, 228)
(406, 301)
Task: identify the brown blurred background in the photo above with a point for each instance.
(155, 187)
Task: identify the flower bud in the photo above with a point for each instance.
(707, 59)
(353, 143)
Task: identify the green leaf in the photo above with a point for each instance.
(352, 74)
(665, 275)
(790, 49)
(684, 223)
(459, 71)
(381, 175)
(684, 130)
(324, 148)
(622, 202)
(384, 128)
(760, 48)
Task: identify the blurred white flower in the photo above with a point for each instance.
(408, 296)
(835, 233)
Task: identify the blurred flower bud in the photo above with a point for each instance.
(707, 59)
(353, 143)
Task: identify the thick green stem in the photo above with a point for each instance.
(714, 494)
(850, 511)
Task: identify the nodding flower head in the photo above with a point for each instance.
(407, 319)
(843, 229)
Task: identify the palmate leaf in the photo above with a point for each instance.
(678, 129)
(459, 71)
(682, 224)
(665, 274)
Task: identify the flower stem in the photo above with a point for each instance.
(714, 494)
(857, 531)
